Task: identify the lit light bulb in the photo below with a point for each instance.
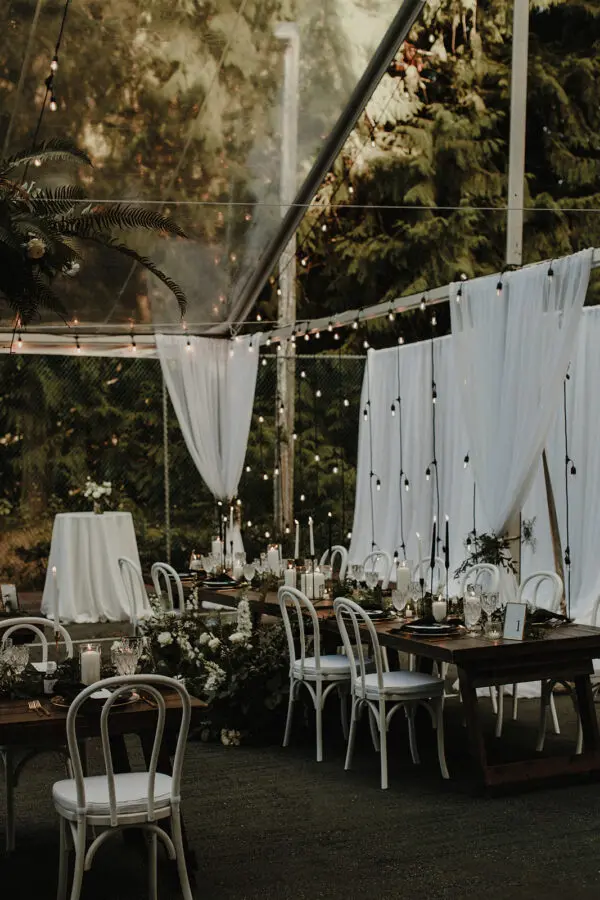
(393, 409)
(317, 335)
(307, 336)
(249, 523)
(346, 401)
(37, 161)
(294, 436)
(350, 190)
(248, 469)
(276, 470)
(400, 340)
(261, 419)
(78, 350)
(323, 227)
(366, 344)
(355, 324)
(267, 534)
(434, 320)
(336, 336)
(378, 484)
(302, 498)
(406, 484)
(317, 457)
(279, 292)
(19, 341)
(499, 288)
(349, 535)
(53, 103)
(265, 476)
(264, 361)
(302, 374)
(287, 529)
(423, 304)
(268, 342)
(318, 393)
(330, 326)
(365, 414)
(427, 473)
(335, 470)
(239, 502)
(303, 261)
(258, 317)
(391, 315)
(54, 64)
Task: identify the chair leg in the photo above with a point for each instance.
(152, 866)
(374, 729)
(412, 737)
(181, 867)
(351, 734)
(500, 713)
(493, 699)
(9, 789)
(79, 861)
(515, 701)
(440, 737)
(554, 715)
(63, 861)
(319, 718)
(290, 714)
(382, 725)
(343, 712)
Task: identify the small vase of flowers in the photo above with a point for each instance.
(99, 494)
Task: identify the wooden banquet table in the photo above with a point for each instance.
(564, 654)
(22, 728)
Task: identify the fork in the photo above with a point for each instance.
(37, 706)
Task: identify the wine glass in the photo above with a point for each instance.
(489, 603)
(357, 571)
(372, 579)
(399, 600)
(472, 610)
(249, 571)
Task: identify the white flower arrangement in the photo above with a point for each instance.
(97, 491)
(164, 638)
(230, 737)
(244, 618)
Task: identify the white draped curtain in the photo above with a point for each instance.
(583, 414)
(211, 383)
(511, 354)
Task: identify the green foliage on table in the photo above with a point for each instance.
(489, 548)
(239, 668)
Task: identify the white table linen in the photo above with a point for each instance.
(85, 550)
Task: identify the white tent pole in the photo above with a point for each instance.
(518, 122)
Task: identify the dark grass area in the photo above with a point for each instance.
(272, 823)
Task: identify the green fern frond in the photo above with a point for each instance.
(58, 202)
(115, 216)
(48, 151)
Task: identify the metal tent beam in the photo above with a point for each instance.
(385, 53)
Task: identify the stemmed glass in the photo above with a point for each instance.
(399, 600)
(126, 655)
(249, 571)
(472, 610)
(358, 572)
(372, 579)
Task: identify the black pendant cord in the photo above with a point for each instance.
(569, 470)
(403, 480)
(277, 467)
(474, 519)
(434, 461)
(341, 449)
(368, 417)
(317, 457)
(49, 82)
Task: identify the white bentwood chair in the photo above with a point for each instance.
(162, 570)
(320, 674)
(13, 766)
(337, 550)
(132, 581)
(114, 802)
(371, 560)
(439, 571)
(403, 689)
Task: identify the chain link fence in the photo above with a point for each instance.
(63, 419)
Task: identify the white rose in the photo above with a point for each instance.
(237, 637)
(106, 484)
(214, 643)
(96, 494)
(164, 638)
(204, 638)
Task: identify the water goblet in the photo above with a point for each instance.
(399, 600)
(371, 578)
(249, 571)
(472, 610)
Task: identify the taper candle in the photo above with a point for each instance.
(311, 537)
(433, 537)
(297, 540)
(447, 548)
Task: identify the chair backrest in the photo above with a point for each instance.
(132, 580)
(439, 569)
(169, 575)
(595, 611)
(350, 616)
(549, 581)
(122, 684)
(486, 574)
(36, 624)
(292, 599)
(337, 550)
(373, 558)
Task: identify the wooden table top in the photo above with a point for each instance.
(21, 725)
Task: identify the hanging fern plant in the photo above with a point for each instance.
(43, 232)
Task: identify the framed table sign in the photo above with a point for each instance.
(514, 621)
(10, 598)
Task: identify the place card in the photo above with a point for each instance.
(10, 599)
(514, 621)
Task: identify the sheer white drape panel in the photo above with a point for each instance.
(211, 384)
(511, 354)
(410, 367)
(583, 415)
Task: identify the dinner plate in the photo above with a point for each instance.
(220, 585)
(437, 628)
(99, 696)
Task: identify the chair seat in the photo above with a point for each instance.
(131, 791)
(402, 682)
(335, 664)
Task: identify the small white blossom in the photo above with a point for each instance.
(214, 643)
(204, 638)
(164, 638)
(244, 617)
(238, 638)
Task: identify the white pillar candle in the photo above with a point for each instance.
(421, 560)
(237, 571)
(90, 665)
(297, 541)
(311, 536)
(439, 609)
(402, 577)
(55, 592)
(313, 585)
(290, 577)
(231, 523)
(217, 548)
(273, 560)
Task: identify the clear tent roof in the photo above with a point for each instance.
(180, 103)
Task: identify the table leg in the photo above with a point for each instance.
(473, 723)
(9, 786)
(587, 713)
